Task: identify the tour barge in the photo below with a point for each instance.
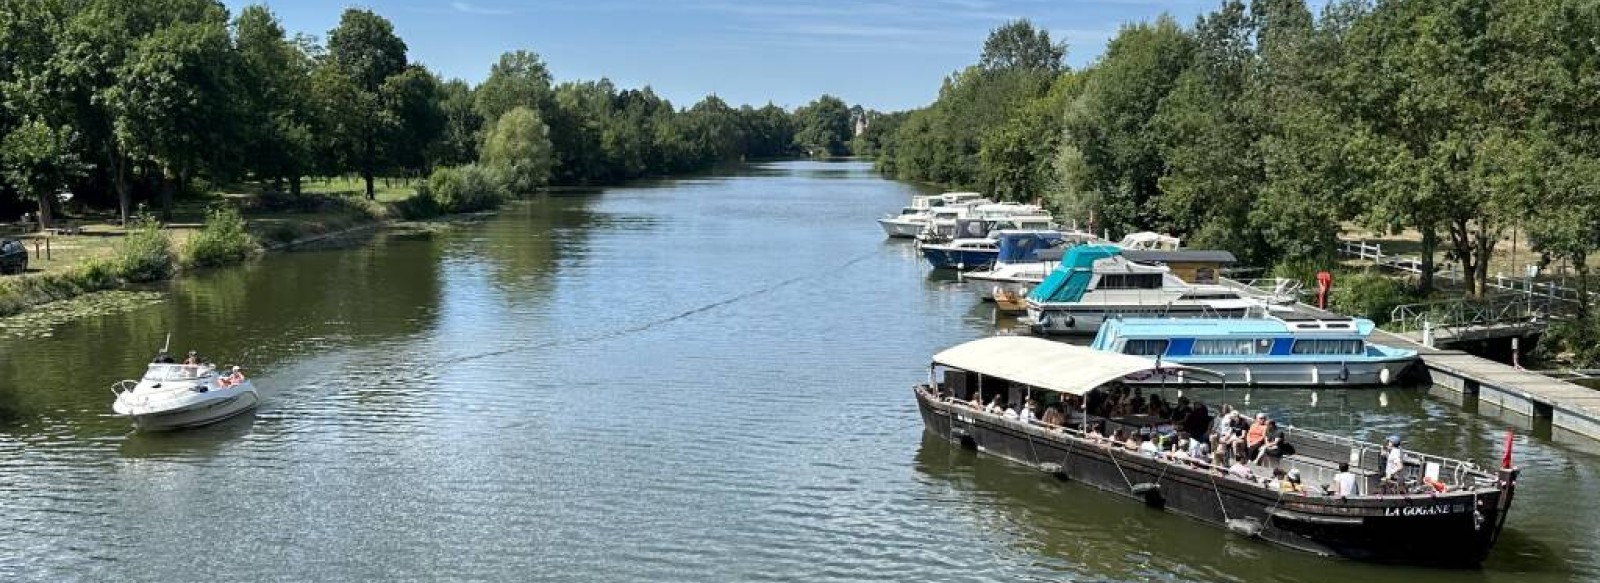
(1384, 521)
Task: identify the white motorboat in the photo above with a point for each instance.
(178, 396)
(1095, 282)
(914, 218)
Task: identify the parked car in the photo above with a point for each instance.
(13, 256)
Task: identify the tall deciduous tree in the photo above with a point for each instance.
(1017, 45)
(39, 160)
(173, 99)
(519, 78)
(363, 53)
(275, 94)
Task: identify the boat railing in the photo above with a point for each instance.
(1460, 470)
(1457, 469)
(178, 372)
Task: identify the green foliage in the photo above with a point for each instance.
(518, 148)
(39, 160)
(823, 126)
(19, 293)
(519, 79)
(1368, 294)
(469, 188)
(1573, 341)
(144, 254)
(1017, 45)
(222, 241)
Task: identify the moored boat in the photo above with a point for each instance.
(983, 251)
(1282, 349)
(1096, 282)
(1439, 511)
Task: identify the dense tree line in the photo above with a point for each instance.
(1263, 128)
(130, 102)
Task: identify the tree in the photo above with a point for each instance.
(1017, 45)
(518, 148)
(39, 160)
(823, 126)
(413, 96)
(275, 95)
(1118, 162)
(520, 78)
(458, 139)
(173, 99)
(363, 53)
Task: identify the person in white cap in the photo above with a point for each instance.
(233, 378)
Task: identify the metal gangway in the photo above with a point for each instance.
(1447, 321)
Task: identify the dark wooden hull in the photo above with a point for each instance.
(1455, 529)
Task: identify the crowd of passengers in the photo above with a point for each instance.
(1230, 444)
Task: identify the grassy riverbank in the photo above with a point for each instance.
(221, 229)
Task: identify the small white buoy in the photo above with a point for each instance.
(1383, 376)
(1316, 376)
(1249, 378)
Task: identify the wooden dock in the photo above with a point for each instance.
(1568, 406)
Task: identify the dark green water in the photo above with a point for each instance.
(695, 380)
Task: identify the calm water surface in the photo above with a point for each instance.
(695, 380)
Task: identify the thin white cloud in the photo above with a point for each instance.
(466, 8)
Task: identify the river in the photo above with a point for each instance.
(705, 379)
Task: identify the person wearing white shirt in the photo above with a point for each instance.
(1396, 459)
(1344, 482)
(1011, 413)
(1148, 447)
(1026, 416)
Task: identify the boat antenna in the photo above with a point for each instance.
(165, 345)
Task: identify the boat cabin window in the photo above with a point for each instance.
(1217, 347)
(1211, 296)
(1145, 347)
(1130, 281)
(1328, 347)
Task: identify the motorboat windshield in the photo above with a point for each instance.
(177, 372)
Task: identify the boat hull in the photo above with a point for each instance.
(1365, 373)
(900, 229)
(963, 259)
(198, 414)
(1448, 530)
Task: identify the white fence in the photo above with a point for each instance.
(1449, 272)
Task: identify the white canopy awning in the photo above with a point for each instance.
(1053, 366)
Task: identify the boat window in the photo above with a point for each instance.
(1130, 281)
(1338, 326)
(1145, 347)
(1223, 347)
(1327, 347)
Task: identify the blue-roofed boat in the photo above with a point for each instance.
(1096, 282)
(1289, 349)
(982, 252)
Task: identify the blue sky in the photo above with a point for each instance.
(883, 54)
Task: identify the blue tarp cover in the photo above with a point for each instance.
(1071, 279)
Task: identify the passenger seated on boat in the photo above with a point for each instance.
(1291, 483)
(1199, 450)
(976, 402)
(1148, 447)
(1026, 414)
(1054, 417)
(1344, 482)
(1196, 420)
(1117, 437)
(1097, 432)
(1256, 437)
(994, 407)
(233, 378)
(1272, 448)
(1133, 441)
(1240, 470)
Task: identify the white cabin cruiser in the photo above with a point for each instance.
(179, 396)
(1096, 282)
